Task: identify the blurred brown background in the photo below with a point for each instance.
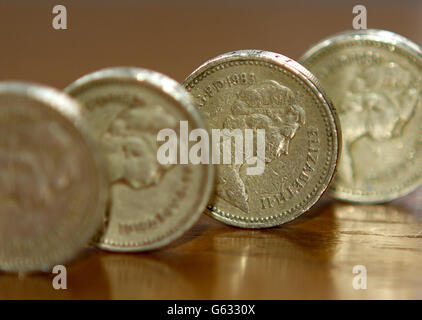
(173, 37)
(308, 259)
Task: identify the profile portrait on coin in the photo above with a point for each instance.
(266, 105)
(378, 102)
(150, 202)
(131, 148)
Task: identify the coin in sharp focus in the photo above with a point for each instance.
(255, 90)
(52, 192)
(151, 203)
(374, 79)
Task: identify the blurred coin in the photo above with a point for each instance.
(374, 79)
(259, 90)
(151, 203)
(52, 196)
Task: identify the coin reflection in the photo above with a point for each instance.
(386, 240)
(144, 277)
(315, 258)
(273, 264)
(388, 213)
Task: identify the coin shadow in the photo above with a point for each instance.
(411, 202)
(315, 232)
(321, 227)
(197, 230)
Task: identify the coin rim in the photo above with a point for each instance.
(313, 84)
(176, 93)
(355, 38)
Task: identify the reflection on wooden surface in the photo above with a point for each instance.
(311, 258)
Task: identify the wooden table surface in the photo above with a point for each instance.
(310, 258)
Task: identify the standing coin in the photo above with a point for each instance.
(294, 157)
(52, 195)
(151, 202)
(374, 79)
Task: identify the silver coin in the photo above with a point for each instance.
(52, 191)
(151, 204)
(268, 92)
